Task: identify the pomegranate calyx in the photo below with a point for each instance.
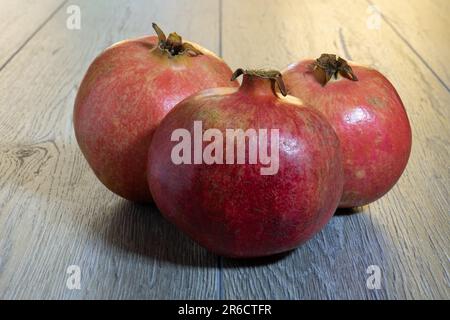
(273, 75)
(173, 44)
(328, 65)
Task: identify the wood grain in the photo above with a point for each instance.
(423, 26)
(53, 211)
(406, 233)
(19, 20)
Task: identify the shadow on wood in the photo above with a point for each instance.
(348, 211)
(142, 230)
(229, 263)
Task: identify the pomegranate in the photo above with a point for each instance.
(124, 95)
(209, 174)
(368, 116)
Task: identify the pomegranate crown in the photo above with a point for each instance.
(329, 65)
(273, 75)
(173, 44)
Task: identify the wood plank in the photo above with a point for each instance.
(424, 26)
(19, 20)
(406, 232)
(53, 211)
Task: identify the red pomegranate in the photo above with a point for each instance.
(126, 92)
(209, 174)
(368, 116)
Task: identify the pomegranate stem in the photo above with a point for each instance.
(329, 65)
(273, 75)
(174, 43)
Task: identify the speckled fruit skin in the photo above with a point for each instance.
(126, 92)
(371, 123)
(231, 209)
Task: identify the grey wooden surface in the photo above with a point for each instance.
(54, 213)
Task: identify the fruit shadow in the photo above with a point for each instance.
(142, 230)
(233, 263)
(349, 211)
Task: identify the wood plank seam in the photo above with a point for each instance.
(219, 281)
(344, 45)
(409, 45)
(39, 28)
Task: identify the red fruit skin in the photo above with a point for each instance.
(124, 95)
(231, 209)
(371, 122)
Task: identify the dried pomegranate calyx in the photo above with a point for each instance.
(273, 75)
(329, 65)
(174, 43)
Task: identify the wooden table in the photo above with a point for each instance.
(54, 213)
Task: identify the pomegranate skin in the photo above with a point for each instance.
(124, 95)
(371, 122)
(231, 209)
